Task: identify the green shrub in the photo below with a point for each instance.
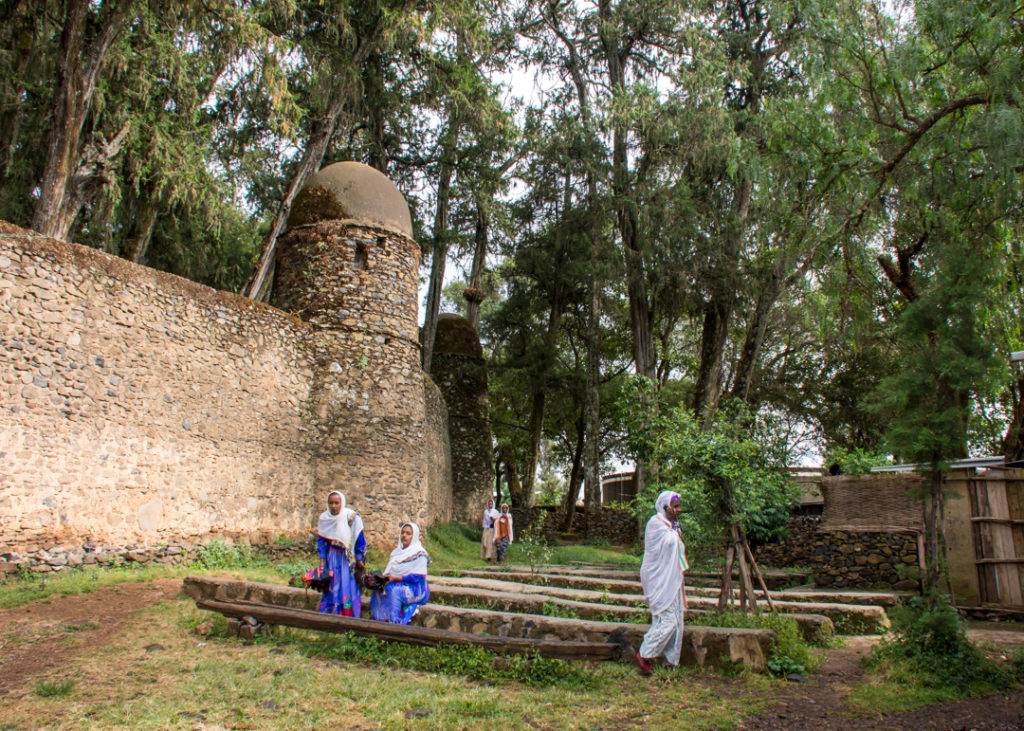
(221, 555)
(54, 689)
(928, 645)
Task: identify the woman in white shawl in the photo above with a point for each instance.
(406, 574)
(342, 547)
(662, 577)
(487, 540)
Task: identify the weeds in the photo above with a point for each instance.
(54, 688)
(928, 646)
(464, 660)
(221, 555)
(789, 652)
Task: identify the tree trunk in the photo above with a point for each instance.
(439, 250)
(592, 406)
(933, 565)
(474, 292)
(516, 494)
(258, 287)
(1013, 441)
(755, 338)
(142, 225)
(575, 477)
(78, 68)
(536, 426)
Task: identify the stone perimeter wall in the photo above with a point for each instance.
(847, 558)
(615, 525)
(138, 408)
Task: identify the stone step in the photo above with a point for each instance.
(705, 647)
(775, 579)
(510, 596)
(847, 618)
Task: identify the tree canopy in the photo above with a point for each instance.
(808, 213)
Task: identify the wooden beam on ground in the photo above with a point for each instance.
(306, 619)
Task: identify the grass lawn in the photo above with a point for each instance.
(157, 673)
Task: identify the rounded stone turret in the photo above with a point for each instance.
(460, 371)
(352, 191)
(348, 266)
(348, 260)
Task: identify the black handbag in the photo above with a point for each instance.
(375, 581)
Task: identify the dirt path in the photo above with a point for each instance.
(816, 704)
(41, 636)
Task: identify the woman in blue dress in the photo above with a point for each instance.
(406, 574)
(342, 547)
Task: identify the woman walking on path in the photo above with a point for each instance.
(342, 547)
(487, 540)
(502, 532)
(661, 574)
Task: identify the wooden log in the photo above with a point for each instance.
(306, 619)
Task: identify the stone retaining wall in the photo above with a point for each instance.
(847, 558)
(63, 558)
(615, 525)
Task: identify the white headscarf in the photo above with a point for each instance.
(344, 527)
(507, 515)
(412, 559)
(490, 514)
(661, 572)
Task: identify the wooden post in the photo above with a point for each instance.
(760, 577)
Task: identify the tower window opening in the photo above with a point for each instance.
(362, 258)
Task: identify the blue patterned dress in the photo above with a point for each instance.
(343, 597)
(399, 600)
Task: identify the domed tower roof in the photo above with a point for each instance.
(456, 335)
(352, 191)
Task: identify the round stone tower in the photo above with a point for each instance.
(348, 266)
(459, 370)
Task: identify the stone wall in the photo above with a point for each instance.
(356, 286)
(137, 407)
(797, 549)
(438, 455)
(846, 558)
(615, 525)
(459, 369)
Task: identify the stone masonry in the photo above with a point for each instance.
(459, 369)
(140, 408)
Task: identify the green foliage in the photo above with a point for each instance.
(855, 461)
(223, 555)
(733, 470)
(54, 688)
(465, 660)
(928, 642)
(533, 546)
(552, 608)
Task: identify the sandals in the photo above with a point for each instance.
(644, 664)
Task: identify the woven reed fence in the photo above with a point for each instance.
(876, 502)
